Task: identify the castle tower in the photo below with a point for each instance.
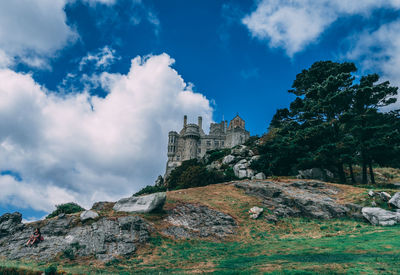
(191, 137)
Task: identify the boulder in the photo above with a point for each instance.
(385, 196)
(395, 200)
(315, 173)
(228, 159)
(9, 223)
(259, 176)
(255, 212)
(379, 216)
(88, 214)
(142, 204)
(198, 221)
(371, 193)
(241, 170)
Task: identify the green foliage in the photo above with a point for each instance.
(149, 189)
(333, 121)
(192, 174)
(69, 253)
(217, 154)
(65, 208)
(229, 174)
(51, 270)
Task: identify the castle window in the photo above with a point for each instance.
(199, 151)
(208, 143)
(222, 143)
(216, 143)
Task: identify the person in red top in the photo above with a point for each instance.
(35, 238)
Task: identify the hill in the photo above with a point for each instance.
(307, 227)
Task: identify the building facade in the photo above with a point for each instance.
(191, 142)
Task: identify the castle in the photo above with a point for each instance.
(192, 142)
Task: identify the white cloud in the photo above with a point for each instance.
(294, 24)
(101, 60)
(84, 148)
(379, 52)
(104, 2)
(33, 30)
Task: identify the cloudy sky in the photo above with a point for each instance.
(90, 88)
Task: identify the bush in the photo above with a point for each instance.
(149, 189)
(51, 270)
(216, 154)
(65, 208)
(192, 174)
(69, 253)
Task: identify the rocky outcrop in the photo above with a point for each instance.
(259, 176)
(104, 238)
(198, 221)
(300, 198)
(88, 215)
(242, 170)
(395, 200)
(141, 204)
(10, 223)
(379, 216)
(316, 174)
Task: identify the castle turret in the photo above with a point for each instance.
(184, 121)
(191, 136)
(200, 122)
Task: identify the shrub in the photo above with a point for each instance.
(65, 208)
(149, 189)
(192, 174)
(217, 154)
(51, 270)
(69, 253)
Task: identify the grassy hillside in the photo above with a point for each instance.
(291, 245)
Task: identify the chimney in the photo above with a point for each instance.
(200, 122)
(184, 120)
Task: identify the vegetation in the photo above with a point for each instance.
(149, 189)
(335, 121)
(192, 173)
(65, 208)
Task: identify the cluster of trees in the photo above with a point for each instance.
(336, 121)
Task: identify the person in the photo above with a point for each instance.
(35, 238)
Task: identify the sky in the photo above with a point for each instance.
(89, 89)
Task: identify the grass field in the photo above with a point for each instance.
(293, 245)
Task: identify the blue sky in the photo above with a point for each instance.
(90, 88)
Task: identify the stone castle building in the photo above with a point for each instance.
(191, 142)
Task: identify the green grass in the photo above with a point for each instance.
(296, 244)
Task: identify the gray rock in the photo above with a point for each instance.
(104, 239)
(88, 214)
(228, 159)
(255, 212)
(240, 150)
(241, 170)
(385, 196)
(371, 193)
(141, 204)
(259, 176)
(379, 216)
(198, 221)
(373, 204)
(395, 200)
(307, 199)
(315, 173)
(9, 223)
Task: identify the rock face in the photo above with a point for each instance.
(379, 216)
(241, 169)
(395, 200)
(300, 198)
(104, 239)
(385, 196)
(259, 176)
(316, 173)
(141, 204)
(197, 221)
(88, 214)
(228, 159)
(10, 223)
